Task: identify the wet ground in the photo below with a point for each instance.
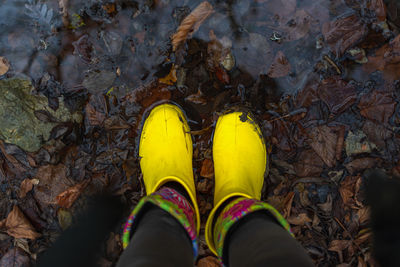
(321, 77)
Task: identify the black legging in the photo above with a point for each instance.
(257, 240)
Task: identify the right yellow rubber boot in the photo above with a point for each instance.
(240, 160)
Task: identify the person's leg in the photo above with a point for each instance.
(258, 240)
(160, 240)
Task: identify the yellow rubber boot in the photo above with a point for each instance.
(240, 161)
(166, 150)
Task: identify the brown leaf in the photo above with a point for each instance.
(149, 94)
(387, 60)
(377, 106)
(300, 219)
(324, 144)
(337, 94)
(209, 261)
(308, 164)
(287, 204)
(339, 245)
(349, 189)
(191, 23)
(52, 182)
(15, 257)
(363, 215)
(18, 226)
(222, 75)
(26, 186)
(197, 98)
(376, 133)
(95, 117)
(68, 197)
(343, 33)
(358, 165)
(171, 78)
(4, 66)
(296, 26)
(207, 168)
(280, 67)
(379, 7)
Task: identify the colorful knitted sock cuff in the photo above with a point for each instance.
(234, 211)
(172, 202)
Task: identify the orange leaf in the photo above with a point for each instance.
(68, 197)
(18, 226)
(207, 168)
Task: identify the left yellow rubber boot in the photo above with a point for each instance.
(166, 152)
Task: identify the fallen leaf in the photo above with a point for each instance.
(323, 142)
(344, 33)
(349, 189)
(95, 117)
(308, 164)
(171, 78)
(68, 197)
(296, 26)
(191, 23)
(359, 165)
(18, 226)
(209, 261)
(207, 168)
(197, 98)
(363, 215)
(387, 60)
(222, 75)
(52, 182)
(64, 218)
(4, 66)
(356, 143)
(280, 67)
(149, 94)
(113, 246)
(26, 186)
(15, 257)
(337, 94)
(204, 186)
(300, 219)
(287, 204)
(376, 133)
(379, 7)
(377, 106)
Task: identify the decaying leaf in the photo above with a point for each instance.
(18, 226)
(64, 218)
(15, 257)
(280, 67)
(299, 219)
(387, 60)
(209, 261)
(377, 106)
(337, 94)
(323, 142)
(207, 168)
(339, 245)
(4, 66)
(68, 197)
(309, 164)
(26, 186)
(191, 23)
(359, 165)
(349, 190)
(344, 33)
(95, 117)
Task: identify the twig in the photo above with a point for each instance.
(330, 61)
(191, 23)
(348, 233)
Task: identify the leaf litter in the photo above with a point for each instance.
(320, 77)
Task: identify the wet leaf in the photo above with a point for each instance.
(95, 117)
(171, 78)
(377, 106)
(356, 143)
(379, 7)
(207, 168)
(359, 165)
(68, 197)
(323, 142)
(376, 133)
(222, 75)
(15, 257)
(197, 98)
(209, 261)
(4, 66)
(387, 60)
(18, 226)
(297, 26)
(349, 189)
(343, 33)
(339, 245)
(26, 186)
(83, 48)
(337, 94)
(280, 67)
(52, 182)
(64, 218)
(98, 81)
(309, 164)
(299, 219)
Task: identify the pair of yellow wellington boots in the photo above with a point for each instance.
(239, 155)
